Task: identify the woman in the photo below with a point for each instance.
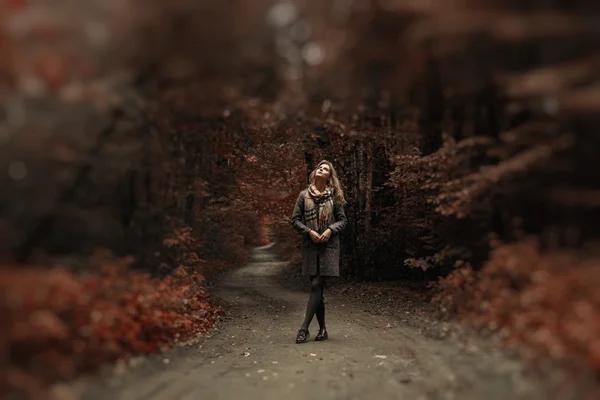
(319, 216)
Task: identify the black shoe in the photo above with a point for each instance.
(302, 336)
(322, 335)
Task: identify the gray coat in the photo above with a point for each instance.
(329, 252)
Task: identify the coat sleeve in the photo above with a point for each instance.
(340, 219)
(297, 215)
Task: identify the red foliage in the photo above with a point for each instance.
(58, 324)
(546, 301)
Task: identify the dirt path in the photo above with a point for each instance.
(252, 355)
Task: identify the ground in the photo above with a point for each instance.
(371, 352)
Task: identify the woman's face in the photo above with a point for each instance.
(323, 171)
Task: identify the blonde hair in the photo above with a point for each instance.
(333, 181)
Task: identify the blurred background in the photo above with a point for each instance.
(465, 134)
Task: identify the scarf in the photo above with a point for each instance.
(318, 208)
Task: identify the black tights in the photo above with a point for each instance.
(316, 305)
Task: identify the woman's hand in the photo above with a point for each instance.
(325, 236)
(315, 237)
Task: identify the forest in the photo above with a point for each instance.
(148, 145)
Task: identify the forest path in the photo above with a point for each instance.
(252, 354)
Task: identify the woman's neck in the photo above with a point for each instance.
(320, 184)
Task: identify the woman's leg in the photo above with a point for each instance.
(315, 299)
(321, 311)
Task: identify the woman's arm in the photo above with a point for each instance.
(297, 216)
(340, 218)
